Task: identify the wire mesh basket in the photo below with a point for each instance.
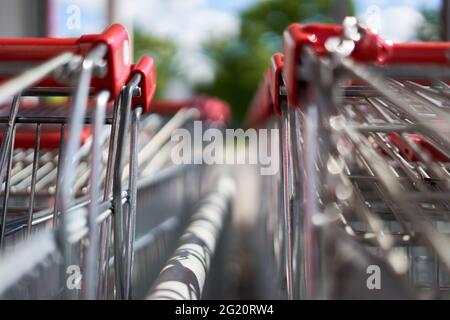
(360, 206)
(92, 204)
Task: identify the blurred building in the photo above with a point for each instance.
(62, 18)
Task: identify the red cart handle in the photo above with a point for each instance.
(25, 137)
(146, 68)
(370, 49)
(424, 144)
(118, 57)
(267, 98)
(211, 108)
(214, 109)
(275, 80)
(261, 107)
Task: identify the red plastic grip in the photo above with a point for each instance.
(146, 68)
(370, 49)
(211, 108)
(419, 52)
(214, 109)
(267, 98)
(275, 80)
(118, 57)
(169, 107)
(295, 37)
(261, 107)
(410, 154)
(25, 137)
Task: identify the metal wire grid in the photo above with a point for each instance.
(355, 177)
(78, 233)
(76, 203)
(184, 275)
(363, 182)
(165, 193)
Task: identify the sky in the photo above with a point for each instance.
(394, 20)
(191, 23)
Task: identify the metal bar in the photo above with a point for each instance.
(287, 218)
(49, 92)
(90, 281)
(49, 120)
(78, 111)
(7, 185)
(69, 162)
(112, 146)
(7, 147)
(28, 78)
(119, 217)
(132, 187)
(33, 178)
(393, 189)
(8, 132)
(189, 265)
(25, 258)
(164, 134)
(109, 227)
(397, 98)
(59, 176)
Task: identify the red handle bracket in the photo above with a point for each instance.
(211, 108)
(25, 137)
(370, 49)
(275, 80)
(146, 68)
(410, 154)
(267, 98)
(118, 57)
(261, 107)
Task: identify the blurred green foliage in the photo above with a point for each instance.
(162, 51)
(240, 63)
(430, 29)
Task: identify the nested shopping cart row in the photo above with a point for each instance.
(87, 183)
(361, 206)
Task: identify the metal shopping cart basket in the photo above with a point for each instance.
(68, 133)
(165, 196)
(360, 208)
(169, 193)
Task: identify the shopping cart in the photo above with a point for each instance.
(170, 193)
(362, 204)
(186, 274)
(67, 203)
(166, 194)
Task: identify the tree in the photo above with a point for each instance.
(162, 51)
(430, 29)
(241, 62)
